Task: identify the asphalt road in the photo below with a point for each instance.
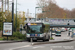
(64, 35)
(55, 46)
(7, 46)
(27, 45)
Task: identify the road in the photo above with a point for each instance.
(64, 35)
(7, 46)
(27, 45)
(55, 46)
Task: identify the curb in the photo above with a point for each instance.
(11, 41)
(39, 43)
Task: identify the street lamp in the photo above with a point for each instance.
(35, 10)
(42, 11)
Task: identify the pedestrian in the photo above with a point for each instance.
(69, 32)
(73, 31)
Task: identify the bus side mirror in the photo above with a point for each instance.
(25, 26)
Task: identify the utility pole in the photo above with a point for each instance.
(27, 14)
(8, 6)
(35, 13)
(12, 15)
(5, 5)
(2, 6)
(5, 9)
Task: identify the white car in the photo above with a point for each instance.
(68, 28)
(63, 29)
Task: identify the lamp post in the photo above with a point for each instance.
(35, 11)
(42, 10)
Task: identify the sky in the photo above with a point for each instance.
(23, 5)
(27, 4)
(69, 4)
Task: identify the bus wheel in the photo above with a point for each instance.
(47, 40)
(28, 40)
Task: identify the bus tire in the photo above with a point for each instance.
(28, 40)
(47, 40)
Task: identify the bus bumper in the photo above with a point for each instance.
(35, 38)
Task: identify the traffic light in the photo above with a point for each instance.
(68, 24)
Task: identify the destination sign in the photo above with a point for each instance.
(32, 23)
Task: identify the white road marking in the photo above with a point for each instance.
(38, 47)
(32, 43)
(51, 49)
(20, 47)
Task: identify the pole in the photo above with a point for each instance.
(5, 8)
(8, 6)
(35, 13)
(2, 14)
(2, 6)
(7, 38)
(5, 5)
(16, 17)
(12, 14)
(51, 33)
(31, 41)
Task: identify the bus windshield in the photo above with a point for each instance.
(34, 29)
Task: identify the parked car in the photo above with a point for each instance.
(66, 29)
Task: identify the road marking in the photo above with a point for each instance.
(20, 47)
(51, 49)
(32, 43)
(38, 47)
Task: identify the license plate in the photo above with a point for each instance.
(34, 38)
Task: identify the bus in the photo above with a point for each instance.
(37, 31)
(58, 33)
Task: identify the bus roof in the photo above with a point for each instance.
(34, 22)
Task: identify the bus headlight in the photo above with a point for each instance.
(28, 35)
(41, 35)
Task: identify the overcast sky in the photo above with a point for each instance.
(69, 4)
(27, 4)
(31, 4)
